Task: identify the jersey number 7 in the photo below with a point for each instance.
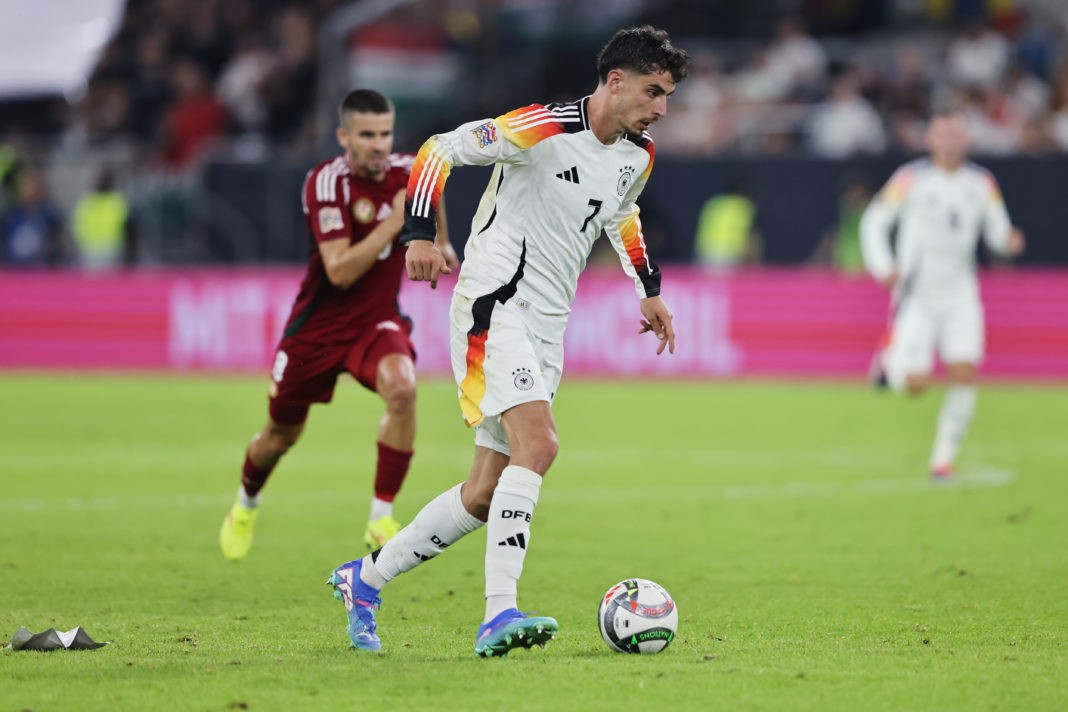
(596, 205)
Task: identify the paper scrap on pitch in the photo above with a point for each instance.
(52, 639)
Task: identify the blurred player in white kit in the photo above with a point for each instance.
(941, 205)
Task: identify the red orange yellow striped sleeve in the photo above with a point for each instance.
(625, 234)
(504, 139)
(897, 188)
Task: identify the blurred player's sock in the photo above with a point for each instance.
(508, 536)
(235, 536)
(380, 508)
(942, 473)
(246, 501)
(442, 522)
(877, 372)
(953, 421)
(253, 477)
(390, 471)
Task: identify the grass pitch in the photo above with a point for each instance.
(813, 565)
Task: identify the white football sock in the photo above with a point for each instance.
(953, 420)
(442, 522)
(380, 508)
(508, 535)
(246, 501)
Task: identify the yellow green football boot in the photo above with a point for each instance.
(235, 537)
(380, 531)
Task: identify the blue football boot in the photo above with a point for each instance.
(361, 601)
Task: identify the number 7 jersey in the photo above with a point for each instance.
(555, 187)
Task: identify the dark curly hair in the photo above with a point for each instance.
(644, 49)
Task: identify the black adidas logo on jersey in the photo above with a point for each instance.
(517, 540)
(570, 175)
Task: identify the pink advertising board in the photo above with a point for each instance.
(770, 322)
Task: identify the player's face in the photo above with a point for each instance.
(947, 139)
(641, 99)
(368, 141)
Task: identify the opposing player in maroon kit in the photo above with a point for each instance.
(346, 317)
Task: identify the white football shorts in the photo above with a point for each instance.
(498, 363)
(952, 327)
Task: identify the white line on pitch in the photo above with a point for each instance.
(973, 479)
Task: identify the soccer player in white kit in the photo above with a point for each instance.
(940, 204)
(563, 174)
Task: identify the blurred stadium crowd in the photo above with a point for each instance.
(186, 81)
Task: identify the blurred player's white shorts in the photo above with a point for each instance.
(952, 327)
(498, 363)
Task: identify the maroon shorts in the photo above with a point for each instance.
(305, 372)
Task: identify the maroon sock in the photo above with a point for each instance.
(253, 478)
(390, 472)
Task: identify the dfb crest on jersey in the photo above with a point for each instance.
(523, 380)
(625, 178)
(363, 210)
(485, 134)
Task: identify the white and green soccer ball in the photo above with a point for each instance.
(637, 616)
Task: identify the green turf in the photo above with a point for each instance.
(813, 565)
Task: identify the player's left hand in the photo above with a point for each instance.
(658, 320)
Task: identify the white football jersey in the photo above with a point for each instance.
(555, 187)
(940, 215)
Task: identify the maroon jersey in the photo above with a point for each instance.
(340, 204)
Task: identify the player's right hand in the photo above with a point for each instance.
(425, 262)
(890, 281)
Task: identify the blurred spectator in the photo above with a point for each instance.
(726, 229)
(698, 120)
(1035, 48)
(978, 57)
(31, 226)
(906, 94)
(11, 166)
(151, 85)
(907, 87)
(1059, 107)
(993, 123)
(202, 37)
(840, 246)
(240, 81)
(195, 117)
(288, 90)
(1028, 94)
(100, 225)
(846, 124)
(759, 80)
(796, 58)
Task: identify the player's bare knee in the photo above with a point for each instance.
(536, 451)
(915, 385)
(964, 374)
(399, 396)
(549, 446)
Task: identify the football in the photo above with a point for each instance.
(637, 616)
